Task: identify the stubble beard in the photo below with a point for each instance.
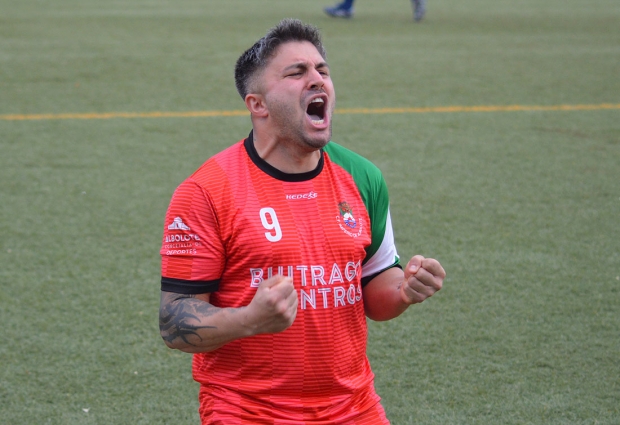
(315, 143)
(293, 132)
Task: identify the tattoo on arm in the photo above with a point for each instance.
(179, 318)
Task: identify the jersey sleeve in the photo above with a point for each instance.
(192, 255)
(381, 254)
(385, 256)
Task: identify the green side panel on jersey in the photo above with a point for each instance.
(372, 187)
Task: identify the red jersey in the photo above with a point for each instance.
(237, 221)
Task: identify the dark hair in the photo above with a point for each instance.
(256, 58)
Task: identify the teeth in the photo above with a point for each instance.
(315, 118)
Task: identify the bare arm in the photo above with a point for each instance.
(389, 294)
(190, 323)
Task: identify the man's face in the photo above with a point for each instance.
(299, 95)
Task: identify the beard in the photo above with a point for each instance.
(292, 127)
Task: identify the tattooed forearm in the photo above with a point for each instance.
(180, 319)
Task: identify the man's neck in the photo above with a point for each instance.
(288, 157)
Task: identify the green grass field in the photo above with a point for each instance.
(521, 206)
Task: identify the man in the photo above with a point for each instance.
(276, 250)
(344, 9)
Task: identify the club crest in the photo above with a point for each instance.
(347, 215)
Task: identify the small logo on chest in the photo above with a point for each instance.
(347, 220)
(347, 215)
(309, 195)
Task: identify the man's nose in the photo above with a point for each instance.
(315, 80)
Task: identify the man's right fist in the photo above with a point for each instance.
(274, 306)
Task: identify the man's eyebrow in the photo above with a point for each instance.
(322, 65)
(304, 65)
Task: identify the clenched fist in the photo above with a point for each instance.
(274, 306)
(423, 277)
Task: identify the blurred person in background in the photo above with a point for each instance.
(345, 9)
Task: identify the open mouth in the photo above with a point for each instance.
(316, 111)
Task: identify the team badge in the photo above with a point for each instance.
(347, 221)
(347, 215)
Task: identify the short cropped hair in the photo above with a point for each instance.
(257, 57)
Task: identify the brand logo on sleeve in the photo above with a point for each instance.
(177, 224)
(180, 243)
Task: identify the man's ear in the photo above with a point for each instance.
(256, 105)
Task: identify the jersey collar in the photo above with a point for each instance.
(274, 172)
